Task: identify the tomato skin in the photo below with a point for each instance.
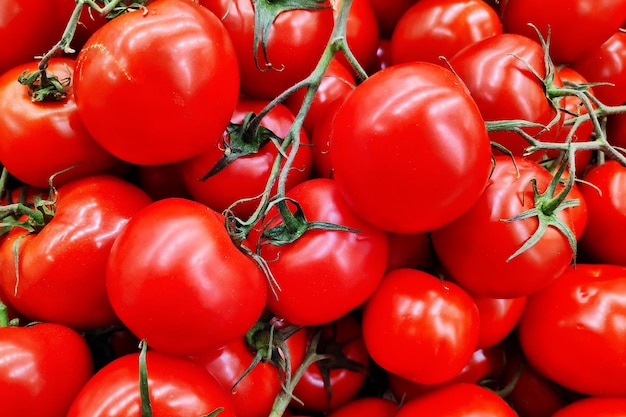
(171, 98)
(431, 29)
(182, 297)
(457, 400)
(409, 250)
(43, 367)
(594, 406)
(603, 241)
(75, 244)
(374, 177)
(389, 13)
(366, 407)
(582, 309)
(41, 139)
(362, 32)
(178, 388)
(295, 42)
(498, 318)
(474, 248)
(419, 327)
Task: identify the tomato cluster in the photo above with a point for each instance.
(251, 208)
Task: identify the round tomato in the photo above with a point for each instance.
(420, 327)
(366, 407)
(583, 309)
(156, 84)
(388, 13)
(594, 406)
(498, 318)
(60, 271)
(362, 32)
(409, 250)
(409, 148)
(39, 139)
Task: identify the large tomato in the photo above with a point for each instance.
(420, 327)
(418, 160)
(594, 406)
(158, 85)
(176, 279)
(60, 271)
(39, 139)
(43, 368)
(583, 309)
(477, 248)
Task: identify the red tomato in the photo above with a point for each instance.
(39, 139)
(420, 327)
(177, 388)
(501, 74)
(616, 130)
(157, 83)
(421, 117)
(295, 42)
(161, 181)
(388, 13)
(431, 29)
(362, 32)
(409, 250)
(61, 275)
(366, 407)
(43, 368)
(498, 318)
(181, 296)
(320, 141)
(476, 248)
(343, 272)
(575, 25)
(246, 177)
(383, 56)
(603, 240)
(594, 406)
(584, 309)
(457, 400)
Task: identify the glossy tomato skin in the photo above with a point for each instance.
(166, 85)
(343, 272)
(295, 43)
(247, 176)
(62, 267)
(366, 407)
(387, 185)
(496, 72)
(498, 318)
(575, 26)
(44, 366)
(431, 29)
(594, 406)
(475, 248)
(603, 241)
(178, 388)
(39, 139)
(419, 327)
(457, 400)
(582, 309)
(181, 296)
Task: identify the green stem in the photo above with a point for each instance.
(4, 315)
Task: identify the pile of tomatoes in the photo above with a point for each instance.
(312, 208)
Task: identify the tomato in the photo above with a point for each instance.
(498, 318)
(294, 43)
(420, 327)
(476, 249)
(584, 310)
(30, 29)
(388, 13)
(575, 25)
(366, 407)
(501, 74)
(60, 275)
(320, 141)
(177, 388)
(616, 129)
(393, 187)
(457, 400)
(594, 406)
(157, 83)
(409, 250)
(43, 368)
(245, 177)
(345, 269)
(602, 241)
(161, 181)
(383, 56)
(39, 139)
(181, 296)
(362, 32)
(431, 29)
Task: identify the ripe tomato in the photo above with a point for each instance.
(594, 406)
(409, 250)
(43, 368)
(324, 274)
(420, 327)
(388, 13)
(39, 139)
(583, 309)
(362, 32)
(476, 248)
(156, 83)
(60, 271)
(384, 155)
(431, 29)
(295, 42)
(181, 296)
(366, 407)
(498, 318)
(177, 388)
